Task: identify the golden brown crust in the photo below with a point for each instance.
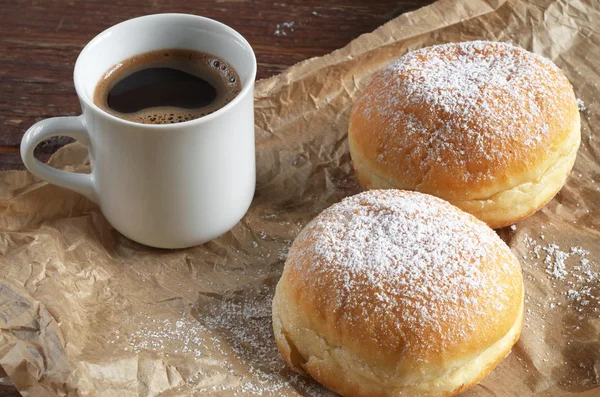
(435, 289)
(330, 374)
(503, 208)
(465, 122)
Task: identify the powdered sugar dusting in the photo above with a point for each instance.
(570, 269)
(474, 100)
(420, 257)
(235, 332)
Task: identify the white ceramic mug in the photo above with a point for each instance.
(170, 185)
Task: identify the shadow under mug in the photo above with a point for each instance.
(169, 185)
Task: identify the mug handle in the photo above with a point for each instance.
(58, 126)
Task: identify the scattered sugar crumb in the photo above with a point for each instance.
(6, 381)
(529, 242)
(513, 227)
(284, 28)
(238, 327)
(580, 105)
(269, 216)
(570, 268)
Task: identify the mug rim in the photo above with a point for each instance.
(247, 87)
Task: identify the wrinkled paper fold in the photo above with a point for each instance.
(87, 312)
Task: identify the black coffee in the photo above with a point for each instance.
(167, 86)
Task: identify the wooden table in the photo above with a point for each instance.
(40, 41)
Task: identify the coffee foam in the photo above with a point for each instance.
(209, 67)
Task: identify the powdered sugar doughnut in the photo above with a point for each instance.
(392, 293)
(490, 127)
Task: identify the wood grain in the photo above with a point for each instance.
(6, 387)
(40, 41)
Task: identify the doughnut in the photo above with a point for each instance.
(488, 126)
(397, 293)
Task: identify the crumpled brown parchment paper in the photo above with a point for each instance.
(86, 312)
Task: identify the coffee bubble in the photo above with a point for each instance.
(214, 71)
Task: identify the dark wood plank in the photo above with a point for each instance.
(40, 41)
(9, 391)
(6, 387)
